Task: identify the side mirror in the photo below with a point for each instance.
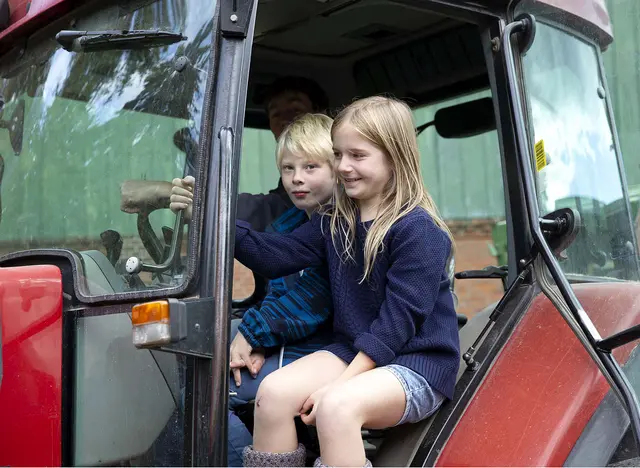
(560, 228)
(15, 125)
(183, 140)
(463, 120)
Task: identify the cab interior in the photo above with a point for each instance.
(355, 49)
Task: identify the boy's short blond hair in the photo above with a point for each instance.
(309, 136)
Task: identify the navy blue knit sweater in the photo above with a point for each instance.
(402, 314)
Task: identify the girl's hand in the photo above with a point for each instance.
(182, 195)
(312, 405)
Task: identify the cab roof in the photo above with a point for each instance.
(26, 16)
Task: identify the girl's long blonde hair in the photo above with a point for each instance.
(388, 124)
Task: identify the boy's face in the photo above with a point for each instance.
(308, 183)
(285, 107)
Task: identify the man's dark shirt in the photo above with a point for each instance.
(262, 209)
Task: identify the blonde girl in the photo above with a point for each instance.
(395, 349)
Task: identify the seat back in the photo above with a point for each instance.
(402, 442)
(451, 271)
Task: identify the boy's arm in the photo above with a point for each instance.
(292, 316)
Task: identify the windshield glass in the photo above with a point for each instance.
(576, 164)
(103, 134)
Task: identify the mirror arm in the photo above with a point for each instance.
(423, 127)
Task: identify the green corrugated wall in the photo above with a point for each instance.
(622, 64)
(463, 175)
(66, 182)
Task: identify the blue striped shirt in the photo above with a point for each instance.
(297, 308)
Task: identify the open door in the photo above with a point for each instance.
(563, 389)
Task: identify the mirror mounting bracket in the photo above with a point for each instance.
(560, 228)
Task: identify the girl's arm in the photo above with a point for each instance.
(418, 252)
(274, 255)
(360, 364)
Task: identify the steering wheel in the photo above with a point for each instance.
(157, 248)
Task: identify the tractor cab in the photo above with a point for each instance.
(115, 313)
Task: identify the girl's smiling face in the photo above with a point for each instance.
(363, 168)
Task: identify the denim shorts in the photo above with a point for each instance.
(421, 401)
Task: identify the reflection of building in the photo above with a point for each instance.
(621, 65)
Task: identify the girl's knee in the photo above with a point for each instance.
(337, 409)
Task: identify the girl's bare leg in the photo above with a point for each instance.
(281, 396)
(374, 399)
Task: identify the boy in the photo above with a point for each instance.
(293, 319)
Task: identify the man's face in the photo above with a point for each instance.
(285, 107)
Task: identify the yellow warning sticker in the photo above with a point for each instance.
(541, 155)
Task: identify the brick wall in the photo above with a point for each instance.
(472, 253)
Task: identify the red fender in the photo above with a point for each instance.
(31, 385)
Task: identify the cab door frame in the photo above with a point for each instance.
(519, 247)
(223, 126)
(567, 305)
(225, 133)
(548, 268)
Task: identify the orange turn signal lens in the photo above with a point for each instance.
(158, 323)
(150, 312)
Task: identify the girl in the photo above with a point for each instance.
(395, 352)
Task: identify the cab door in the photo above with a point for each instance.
(100, 128)
(236, 20)
(560, 391)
